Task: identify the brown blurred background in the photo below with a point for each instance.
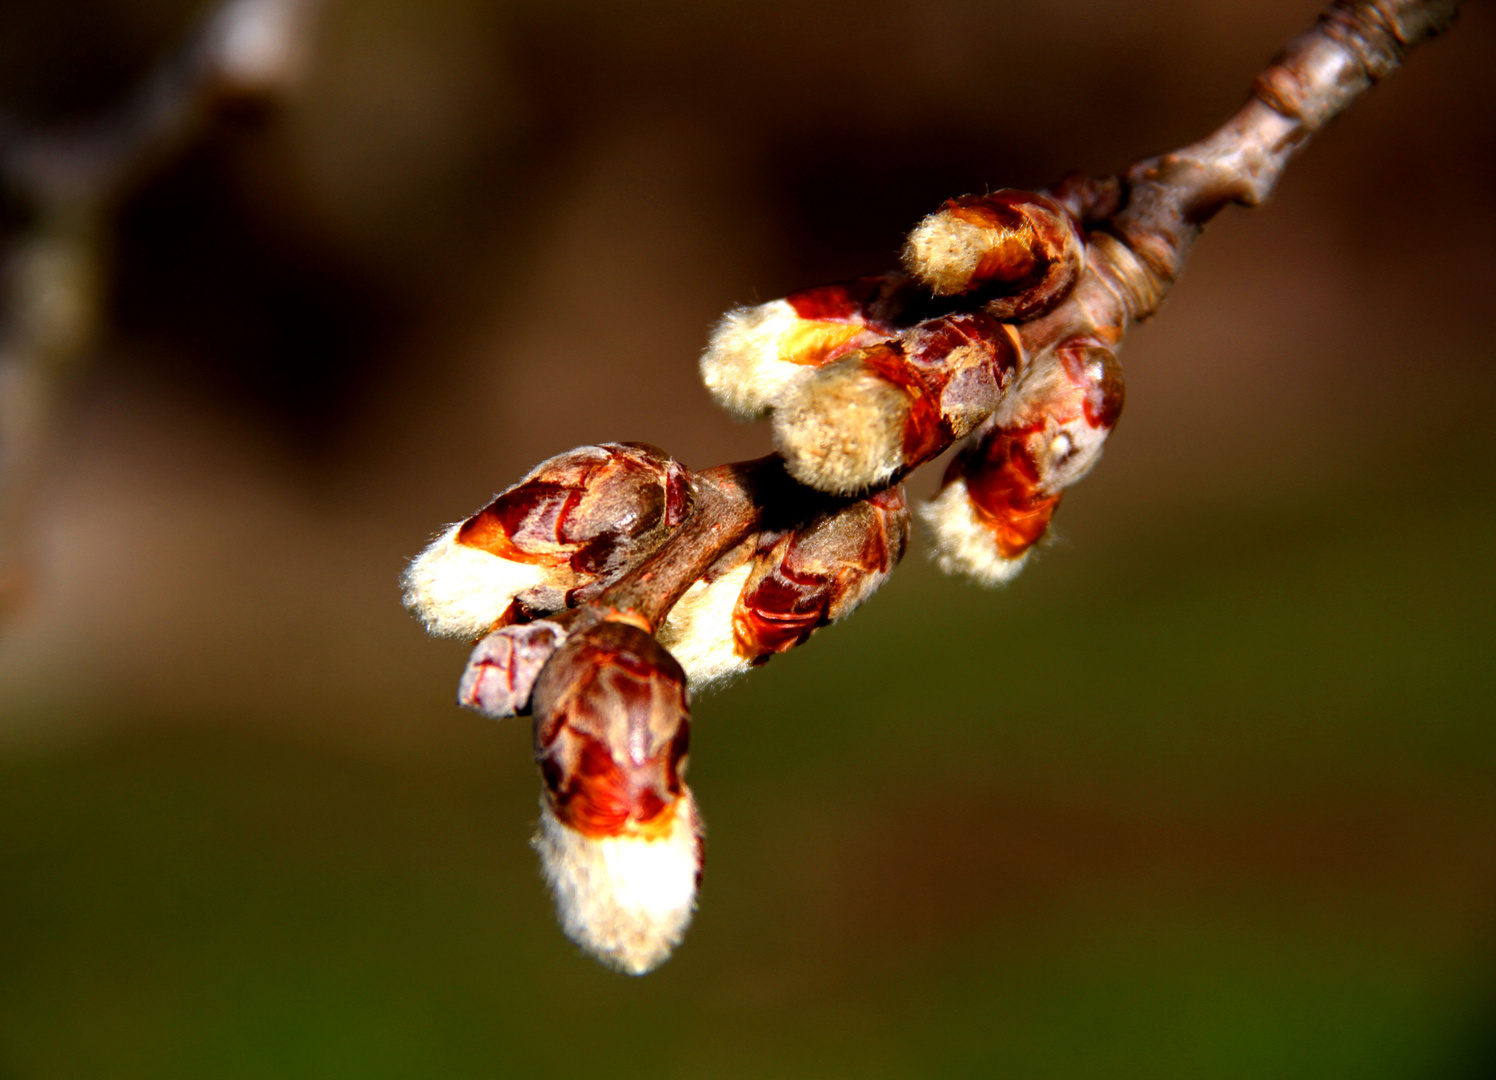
(1210, 792)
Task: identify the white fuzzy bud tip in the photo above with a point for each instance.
(842, 429)
(945, 251)
(626, 899)
(964, 542)
(757, 354)
(699, 630)
(460, 591)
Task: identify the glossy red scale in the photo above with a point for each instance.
(759, 633)
(953, 384)
(846, 301)
(925, 430)
(677, 495)
(935, 339)
(1013, 259)
(1094, 370)
(537, 522)
(494, 528)
(782, 610)
(597, 555)
(604, 799)
(1003, 485)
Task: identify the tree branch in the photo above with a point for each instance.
(68, 185)
(1168, 198)
(1141, 231)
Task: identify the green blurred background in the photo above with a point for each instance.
(1209, 792)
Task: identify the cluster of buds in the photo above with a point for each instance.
(872, 378)
(610, 584)
(547, 579)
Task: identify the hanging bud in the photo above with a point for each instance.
(793, 583)
(1000, 493)
(1021, 249)
(757, 353)
(563, 533)
(858, 421)
(619, 837)
(990, 510)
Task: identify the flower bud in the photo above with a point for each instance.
(564, 532)
(503, 667)
(813, 576)
(1020, 247)
(989, 511)
(619, 837)
(792, 583)
(757, 353)
(858, 421)
(1000, 493)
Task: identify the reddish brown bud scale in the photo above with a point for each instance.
(612, 731)
(999, 495)
(1012, 257)
(503, 667)
(1002, 482)
(876, 302)
(966, 361)
(1096, 377)
(524, 513)
(584, 509)
(923, 426)
(807, 578)
(781, 605)
(601, 798)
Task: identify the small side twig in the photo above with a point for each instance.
(67, 185)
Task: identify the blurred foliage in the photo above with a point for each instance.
(1151, 812)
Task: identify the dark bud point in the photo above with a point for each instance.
(503, 667)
